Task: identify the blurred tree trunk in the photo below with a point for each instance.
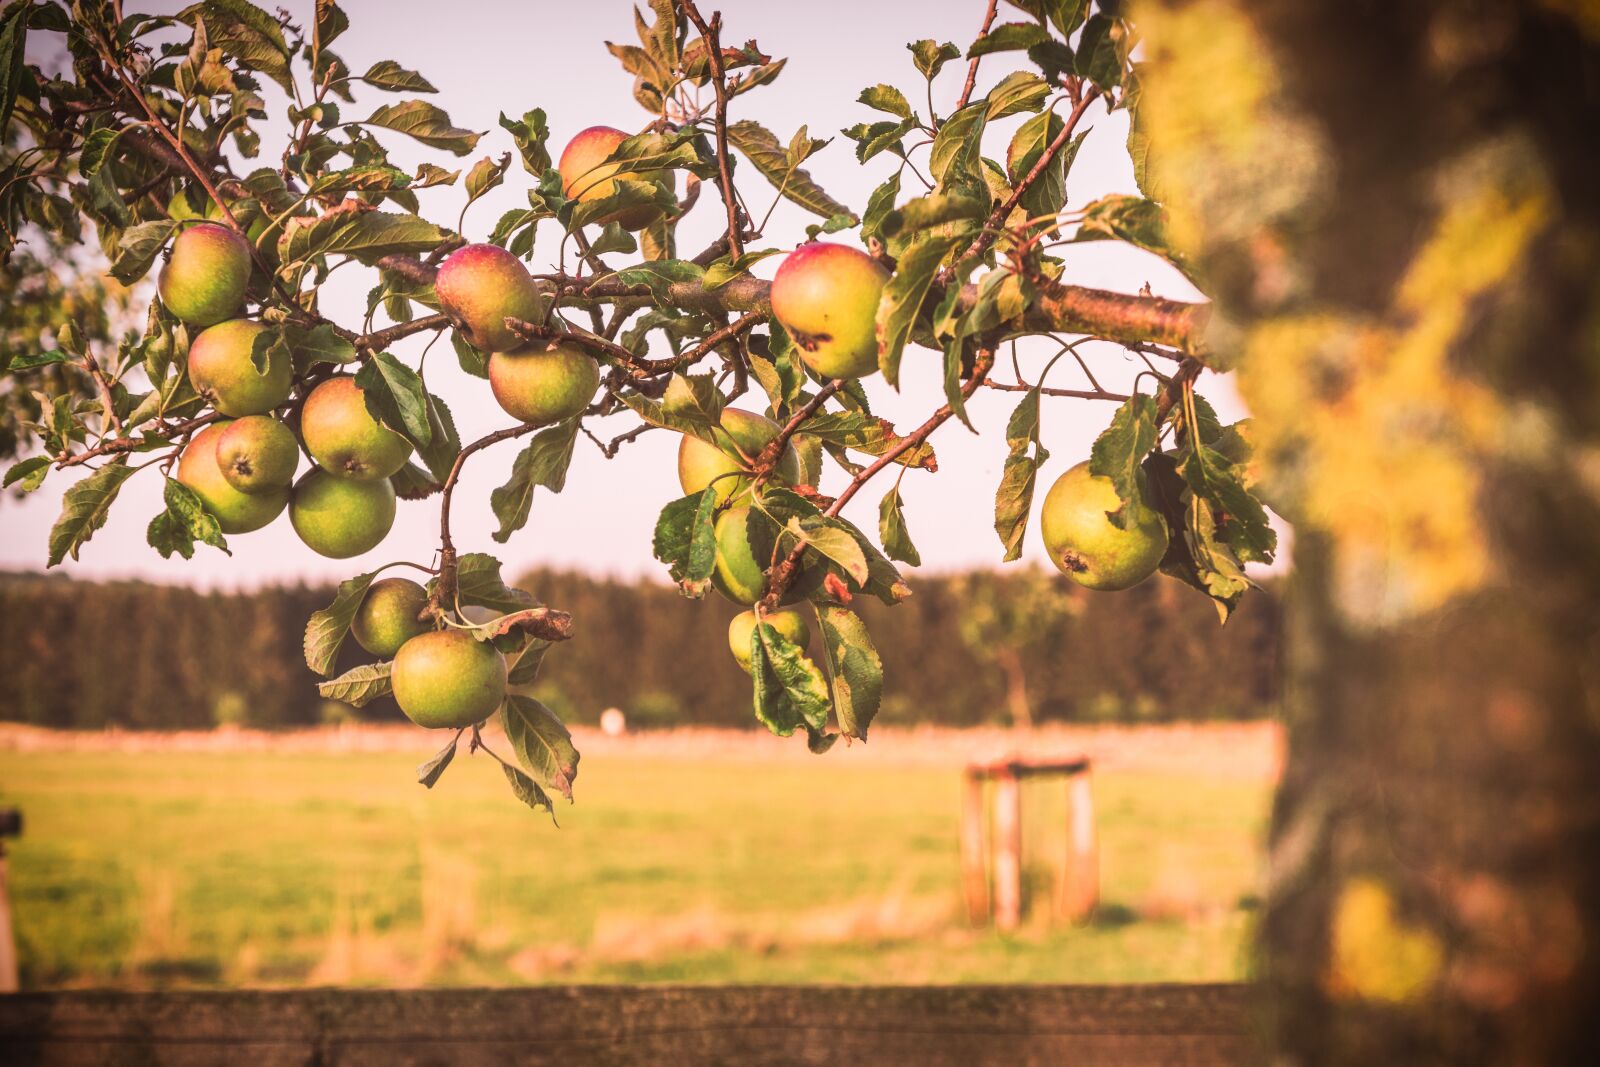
(1395, 208)
(1010, 661)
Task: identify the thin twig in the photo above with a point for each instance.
(972, 68)
(769, 455)
(711, 35)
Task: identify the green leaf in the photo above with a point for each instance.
(325, 629)
(13, 34)
(528, 791)
(319, 344)
(247, 33)
(931, 56)
(727, 268)
(392, 77)
(1099, 56)
(541, 743)
(892, 529)
(427, 123)
(879, 205)
(1012, 502)
(485, 175)
(658, 276)
(544, 462)
(368, 236)
(1122, 447)
(685, 540)
(1018, 91)
(958, 146)
(790, 690)
(876, 137)
(478, 582)
(330, 23)
(771, 158)
(904, 293)
(1140, 222)
(834, 539)
(935, 209)
(358, 686)
(395, 396)
(138, 248)
(83, 510)
(886, 98)
(624, 194)
(27, 474)
(857, 670)
(695, 425)
(530, 133)
(1048, 193)
(191, 516)
(430, 772)
(473, 361)
(1009, 37)
(868, 434)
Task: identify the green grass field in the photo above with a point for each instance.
(143, 870)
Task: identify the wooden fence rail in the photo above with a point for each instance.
(1084, 1026)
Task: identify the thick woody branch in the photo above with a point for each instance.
(1074, 309)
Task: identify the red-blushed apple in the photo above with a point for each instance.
(235, 512)
(344, 438)
(701, 464)
(543, 385)
(826, 296)
(204, 279)
(482, 285)
(258, 454)
(586, 176)
(448, 679)
(222, 370)
(1086, 545)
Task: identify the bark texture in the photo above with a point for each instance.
(1395, 204)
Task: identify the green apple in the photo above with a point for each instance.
(543, 385)
(204, 279)
(235, 512)
(791, 624)
(344, 438)
(258, 454)
(448, 679)
(826, 296)
(222, 371)
(701, 464)
(340, 517)
(389, 616)
(1086, 545)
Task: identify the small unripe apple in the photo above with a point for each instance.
(1084, 543)
(339, 517)
(448, 679)
(258, 454)
(222, 371)
(204, 279)
(235, 512)
(701, 464)
(826, 296)
(543, 385)
(344, 438)
(791, 624)
(586, 176)
(480, 286)
(389, 616)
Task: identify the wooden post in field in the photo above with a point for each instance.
(974, 876)
(1007, 848)
(1078, 890)
(8, 946)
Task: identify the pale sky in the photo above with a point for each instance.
(488, 57)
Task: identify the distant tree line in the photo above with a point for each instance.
(966, 649)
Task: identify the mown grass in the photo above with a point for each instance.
(145, 870)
